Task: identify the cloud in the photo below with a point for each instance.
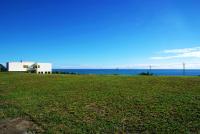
(169, 59)
(184, 50)
(179, 53)
(163, 57)
(174, 65)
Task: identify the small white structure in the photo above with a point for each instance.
(34, 67)
(19, 66)
(43, 68)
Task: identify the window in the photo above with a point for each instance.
(25, 66)
(38, 66)
(34, 66)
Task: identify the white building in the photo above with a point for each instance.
(34, 67)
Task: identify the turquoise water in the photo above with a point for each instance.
(160, 72)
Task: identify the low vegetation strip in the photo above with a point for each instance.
(102, 104)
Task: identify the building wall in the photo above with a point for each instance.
(44, 68)
(19, 66)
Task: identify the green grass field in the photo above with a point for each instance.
(102, 104)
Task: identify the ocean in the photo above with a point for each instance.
(159, 72)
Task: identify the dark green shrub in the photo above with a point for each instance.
(146, 74)
(2, 68)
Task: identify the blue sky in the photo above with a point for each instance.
(101, 33)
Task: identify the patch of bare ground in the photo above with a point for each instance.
(18, 126)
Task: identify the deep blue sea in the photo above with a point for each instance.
(160, 72)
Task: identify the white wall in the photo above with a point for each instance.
(18, 66)
(32, 66)
(44, 68)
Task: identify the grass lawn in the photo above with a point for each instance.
(102, 104)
